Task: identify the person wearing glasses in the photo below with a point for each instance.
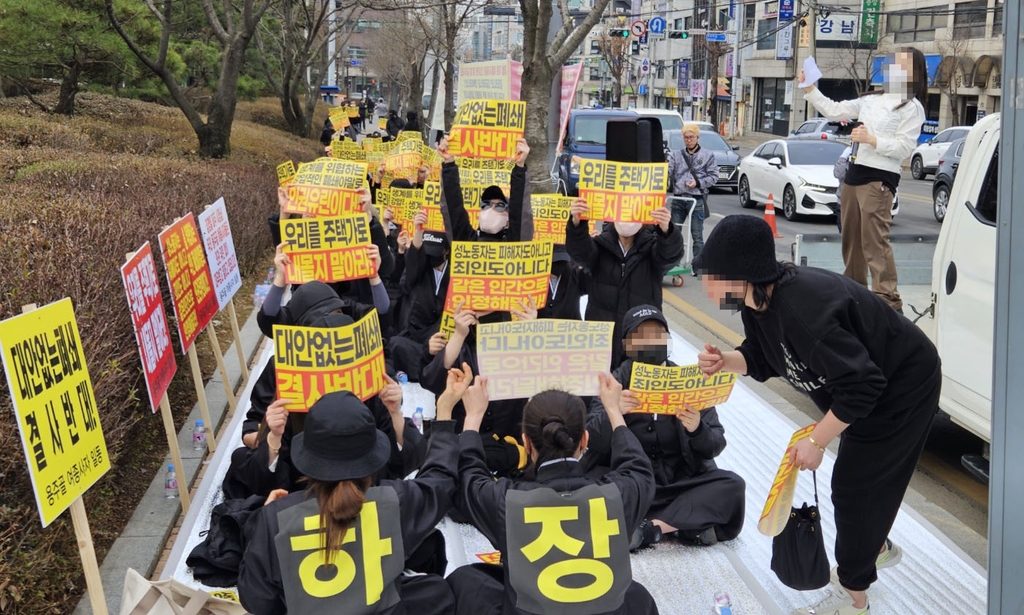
(501, 218)
(692, 171)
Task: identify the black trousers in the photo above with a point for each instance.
(425, 595)
(715, 499)
(870, 478)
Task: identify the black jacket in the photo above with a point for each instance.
(424, 298)
(842, 345)
(616, 282)
(675, 453)
(423, 501)
(482, 497)
(456, 220)
(565, 304)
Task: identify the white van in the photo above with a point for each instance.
(961, 318)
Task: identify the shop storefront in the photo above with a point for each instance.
(773, 101)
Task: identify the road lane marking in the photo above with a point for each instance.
(700, 317)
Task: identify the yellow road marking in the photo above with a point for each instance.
(694, 313)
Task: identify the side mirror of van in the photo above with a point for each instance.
(775, 161)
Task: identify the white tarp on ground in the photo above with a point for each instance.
(934, 576)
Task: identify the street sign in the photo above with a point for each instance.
(643, 39)
(638, 28)
(657, 25)
(645, 66)
(786, 10)
(353, 62)
(642, 90)
(697, 31)
(715, 37)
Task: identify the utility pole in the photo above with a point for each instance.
(737, 85)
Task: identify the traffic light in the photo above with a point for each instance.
(618, 33)
(678, 34)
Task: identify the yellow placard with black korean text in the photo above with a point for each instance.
(347, 150)
(327, 187)
(327, 249)
(352, 112)
(777, 507)
(312, 362)
(405, 157)
(665, 389)
(339, 118)
(432, 207)
(487, 128)
(550, 216)
(499, 276)
(433, 161)
(285, 173)
(382, 123)
(370, 143)
(623, 191)
(403, 203)
(54, 405)
(521, 359)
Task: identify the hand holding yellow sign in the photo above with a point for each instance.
(623, 191)
(487, 128)
(665, 389)
(780, 499)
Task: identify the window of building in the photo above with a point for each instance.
(723, 17)
(912, 27)
(688, 23)
(969, 19)
(986, 209)
(766, 33)
(595, 47)
(749, 16)
(357, 53)
(595, 73)
(677, 24)
(997, 21)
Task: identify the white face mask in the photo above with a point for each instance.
(628, 229)
(897, 80)
(492, 222)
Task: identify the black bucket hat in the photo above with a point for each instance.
(740, 248)
(340, 440)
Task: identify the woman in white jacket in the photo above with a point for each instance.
(891, 124)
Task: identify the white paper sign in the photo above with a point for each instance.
(220, 252)
(811, 72)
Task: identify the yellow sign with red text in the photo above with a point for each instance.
(550, 216)
(487, 128)
(665, 389)
(328, 249)
(327, 187)
(777, 507)
(623, 191)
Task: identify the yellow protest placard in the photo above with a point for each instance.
(780, 498)
(409, 135)
(347, 150)
(327, 249)
(374, 159)
(339, 118)
(312, 362)
(434, 161)
(484, 163)
(550, 216)
(521, 359)
(285, 173)
(352, 112)
(54, 405)
(382, 124)
(406, 156)
(493, 557)
(327, 187)
(498, 276)
(623, 191)
(487, 128)
(404, 203)
(448, 315)
(370, 143)
(432, 207)
(664, 389)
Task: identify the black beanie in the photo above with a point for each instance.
(740, 248)
(491, 193)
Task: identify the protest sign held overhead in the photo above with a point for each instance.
(327, 187)
(339, 118)
(432, 207)
(487, 128)
(777, 507)
(150, 323)
(493, 79)
(403, 203)
(188, 276)
(498, 276)
(521, 359)
(347, 150)
(382, 123)
(54, 404)
(665, 389)
(623, 191)
(311, 362)
(550, 216)
(370, 143)
(405, 158)
(285, 173)
(328, 249)
(220, 251)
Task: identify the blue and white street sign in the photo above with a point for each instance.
(786, 10)
(656, 25)
(715, 37)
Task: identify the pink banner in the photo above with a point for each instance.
(516, 79)
(570, 81)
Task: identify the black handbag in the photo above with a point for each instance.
(798, 553)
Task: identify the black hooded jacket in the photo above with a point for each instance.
(456, 219)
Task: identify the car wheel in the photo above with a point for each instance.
(744, 191)
(917, 168)
(940, 202)
(789, 203)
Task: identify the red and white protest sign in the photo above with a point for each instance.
(220, 251)
(151, 331)
(570, 81)
(188, 276)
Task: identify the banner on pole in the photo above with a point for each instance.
(148, 318)
(220, 251)
(188, 277)
(570, 82)
(623, 191)
(328, 249)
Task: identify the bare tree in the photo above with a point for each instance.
(954, 49)
(542, 61)
(233, 25)
(855, 62)
(614, 54)
(296, 34)
(399, 54)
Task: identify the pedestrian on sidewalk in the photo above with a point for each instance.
(692, 171)
(891, 121)
(872, 372)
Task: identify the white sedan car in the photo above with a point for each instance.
(798, 175)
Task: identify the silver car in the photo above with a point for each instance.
(819, 128)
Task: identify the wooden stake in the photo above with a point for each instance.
(85, 548)
(233, 316)
(172, 442)
(215, 345)
(204, 409)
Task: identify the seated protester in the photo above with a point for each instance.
(501, 219)
(501, 424)
(567, 285)
(339, 545)
(625, 264)
(594, 517)
(694, 501)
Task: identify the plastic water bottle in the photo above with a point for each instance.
(171, 483)
(417, 419)
(722, 604)
(402, 377)
(199, 436)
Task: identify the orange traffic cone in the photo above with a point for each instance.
(769, 216)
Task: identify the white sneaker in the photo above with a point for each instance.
(836, 602)
(886, 559)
